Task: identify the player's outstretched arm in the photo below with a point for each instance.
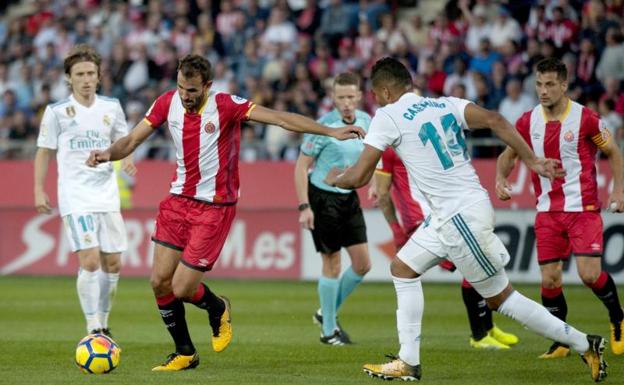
(359, 174)
(306, 216)
(614, 156)
(478, 117)
(504, 165)
(300, 123)
(122, 147)
(42, 158)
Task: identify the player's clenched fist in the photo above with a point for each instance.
(96, 157)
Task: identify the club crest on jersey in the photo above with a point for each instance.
(71, 111)
(106, 120)
(87, 239)
(238, 99)
(568, 136)
(209, 128)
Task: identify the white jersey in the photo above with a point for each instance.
(74, 131)
(427, 134)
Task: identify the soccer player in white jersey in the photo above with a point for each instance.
(88, 198)
(427, 134)
(568, 209)
(194, 220)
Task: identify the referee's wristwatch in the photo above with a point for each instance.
(303, 206)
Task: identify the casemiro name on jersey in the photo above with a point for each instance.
(419, 107)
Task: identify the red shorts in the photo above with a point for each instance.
(196, 228)
(561, 233)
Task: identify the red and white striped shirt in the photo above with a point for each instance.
(207, 144)
(574, 141)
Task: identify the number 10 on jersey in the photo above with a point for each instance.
(453, 144)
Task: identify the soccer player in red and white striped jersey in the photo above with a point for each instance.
(568, 218)
(194, 220)
(391, 187)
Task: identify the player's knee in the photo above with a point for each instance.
(112, 265)
(362, 268)
(550, 281)
(90, 264)
(160, 285)
(183, 291)
(589, 277)
(399, 269)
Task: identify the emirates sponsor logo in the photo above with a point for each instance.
(568, 136)
(209, 128)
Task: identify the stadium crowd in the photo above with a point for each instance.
(284, 53)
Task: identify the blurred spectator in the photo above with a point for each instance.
(561, 30)
(280, 31)
(479, 27)
(537, 26)
(611, 63)
(20, 129)
(252, 148)
(284, 52)
(334, 23)
(484, 58)
(436, 77)
(346, 60)
(365, 41)
(460, 76)
(516, 102)
(309, 18)
(613, 91)
(612, 119)
(452, 51)
(504, 28)
(415, 31)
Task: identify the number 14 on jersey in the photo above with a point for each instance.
(453, 144)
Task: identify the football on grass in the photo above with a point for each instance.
(97, 353)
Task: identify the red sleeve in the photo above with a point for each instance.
(594, 128)
(388, 159)
(234, 107)
(157, 113)
(590, 122)
(523, 125)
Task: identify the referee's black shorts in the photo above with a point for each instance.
(338, 219)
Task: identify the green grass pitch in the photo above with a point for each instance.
(275, 341)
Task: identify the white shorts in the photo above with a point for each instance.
(103, 230)
(467, 240)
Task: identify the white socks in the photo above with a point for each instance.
(537, 319)
(411, 302)
(89, 294)
(108, 288)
